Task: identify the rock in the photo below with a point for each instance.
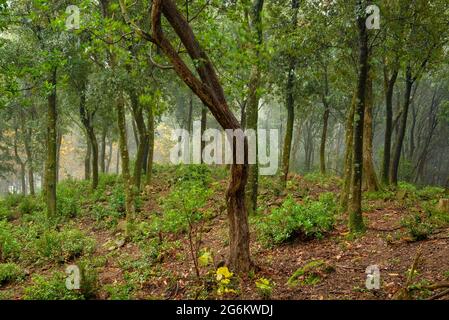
(121, 226)
(120, 243)
(443, 205)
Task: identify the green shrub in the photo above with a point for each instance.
(181, 207)
(64, 245)
(418, 227)
(71, 193)
(53, 288)
(10, 272)
(89, 278)
(9, 246)
(5, 213)
(429, 193)
(117, 199)
(11, 201)
(411, 188)
(379, 195)
(310, 220)
(193, 173)
(29, 205)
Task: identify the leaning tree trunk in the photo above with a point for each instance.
(50, 163)
(389, 90)
(209, 90)
(369, 173)
(355, 203)
(403, 125)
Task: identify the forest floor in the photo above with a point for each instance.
(161, 267)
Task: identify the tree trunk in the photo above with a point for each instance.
(203, 128)
(289, 104)
(86, 119)
(401, 133)
(369, 173)
(326, 113)
(87, 159)
(150, 144)
(124, 155)
(103, 151)
(209, 90)
(50, 164)
(142, 140)
(355, 203)
(108, 163)
(389, 90)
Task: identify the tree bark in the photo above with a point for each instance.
(142, 140)
(401, 133)
(289, 104)
(150, 144)
(87, 159)
(355, 205)
(50, 163)
(389, 90)
(209, 90)
(86, 119)
(103, 151)
(369, 173)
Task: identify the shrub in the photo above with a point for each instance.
(5, 213)
(9, 246)
(429, 193)
(379, 195)
(407, 187)
(64, 245)
(264, 287)
(193, 173)
(53, 288)
(310, 220)
(181, 207)
(417, 227)
(29, 205)
(10, 272)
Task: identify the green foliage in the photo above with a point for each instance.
(318, 178)
(199, 173)
(10, 247)
(119, 291)
(70, 194)
(408, 187)
(264, 287)
(63, 245)
(29, 204)
(430, 192)
(418, 227)
(53, 288)
(310, 274)
(384, 195)
(309, 220)
(182, 206)
(10, 272)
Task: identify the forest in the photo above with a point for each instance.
(224, 150)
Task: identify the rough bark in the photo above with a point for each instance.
(103, 151)
(209, 90)
(389, 83)
(355, 203)
(369, 173)
(86, 119)
(401, 132)
(289, 104)
(325, 98)
(50, 163)
(142, 137)
(150, 144)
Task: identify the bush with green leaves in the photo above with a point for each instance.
(52, 288)
(10, 272)
(71, 193)
(309, 220)
(62, 245)
(418, 227)
(430, 193)
(10, 247)
(199, 173)
(30, 204)
(5, 213)
(181, 207)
